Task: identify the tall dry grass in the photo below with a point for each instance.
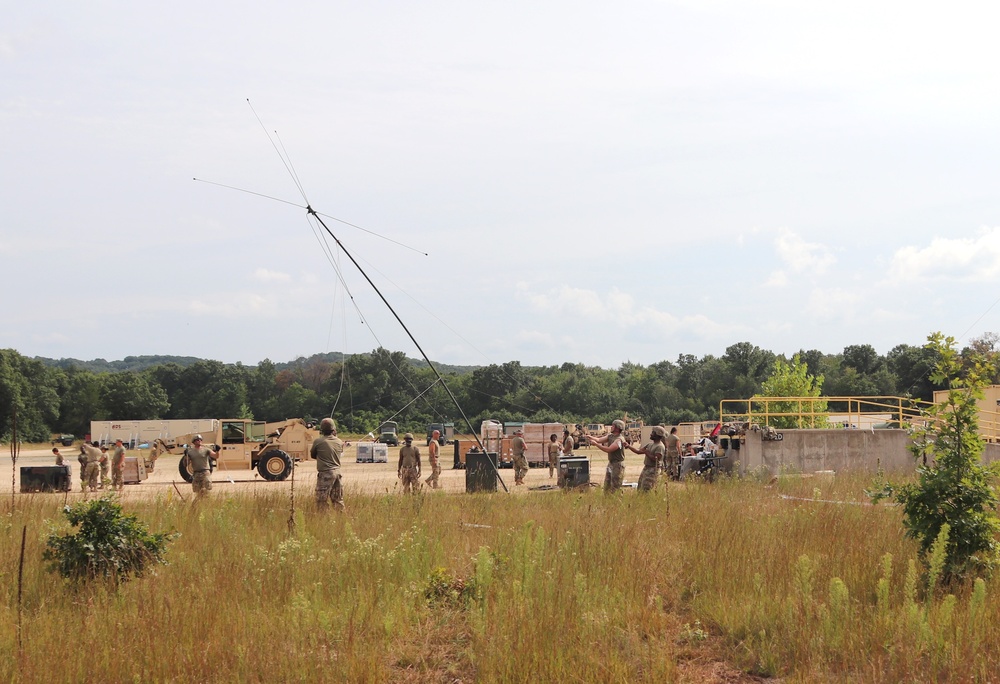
(539, 587)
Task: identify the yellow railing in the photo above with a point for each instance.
(805, 412)
(816, 411)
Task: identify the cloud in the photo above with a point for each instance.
(574, 302)
(776, 279)
(266, 276)
(801, 256)
(968, 259)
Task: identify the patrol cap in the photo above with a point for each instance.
(620, 424)
(658, 431)
(408, 437)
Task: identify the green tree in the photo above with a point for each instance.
(793, 380)
(109, 544)
(132, 396)
(954, 488)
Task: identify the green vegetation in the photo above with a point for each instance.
(109, 545)
(366, 389)
(793, 379)
(951, 509)
(697, 583)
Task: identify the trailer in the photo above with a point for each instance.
(132, 433)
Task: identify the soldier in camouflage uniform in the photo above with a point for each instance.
(672, 460)
(104, 468)
(408, 470)
(518, 446)
(432, 456)
(118, 466)
(613, 444)
(199, 464)
(327, 450)
(555, 449)
(82, 460)
(653, 451)
(91, 471)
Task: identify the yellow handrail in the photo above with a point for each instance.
(815, 412)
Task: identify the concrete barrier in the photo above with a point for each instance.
(809, 451)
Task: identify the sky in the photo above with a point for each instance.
(546, 182)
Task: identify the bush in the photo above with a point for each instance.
(109, 545)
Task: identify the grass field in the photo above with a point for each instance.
(734, 581)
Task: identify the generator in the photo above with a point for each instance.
(480, 471)
(574, 471)
(372, 452)
(45, 479)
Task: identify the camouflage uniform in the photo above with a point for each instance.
(93, 468)
(615, 474)
(327, 450)
(118, 467)
(409, 468)
(518, 446)
(200, 467)
(82, 460)
(555, 449)
(672, 459)
(650, 465)
(432, 455)
(104, 468)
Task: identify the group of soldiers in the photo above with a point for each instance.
(95, 464)
(663, 452)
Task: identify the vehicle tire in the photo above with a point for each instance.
(274, 465)
(182, 469)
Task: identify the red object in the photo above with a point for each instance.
(717, 430)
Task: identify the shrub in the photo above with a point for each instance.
(954, 499)
(109, 544)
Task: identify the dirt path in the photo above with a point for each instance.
(364, 477)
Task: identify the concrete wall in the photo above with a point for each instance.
(808, 451)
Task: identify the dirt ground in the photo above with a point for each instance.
(364, 477)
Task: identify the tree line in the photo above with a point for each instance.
(362, 390)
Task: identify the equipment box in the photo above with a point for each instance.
(372, 452)
(45, 478)
(574, 471)
(480, 472)
(133, 470)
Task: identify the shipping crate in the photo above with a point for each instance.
(134, 470)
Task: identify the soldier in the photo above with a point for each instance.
(327, 449)
(567, 444)
(92, 469)
(432, 457)
(199, 464)
(408, 470)
(104, 468)
(518, 446)
(613, 444)
(118, 466)
(672, 460)
(653, 451)
(59, 457)
(82, 460)
(555, 448)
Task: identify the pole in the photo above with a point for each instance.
(447, 389)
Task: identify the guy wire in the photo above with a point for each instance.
(409, 334)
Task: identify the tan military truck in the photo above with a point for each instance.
(269, 448)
